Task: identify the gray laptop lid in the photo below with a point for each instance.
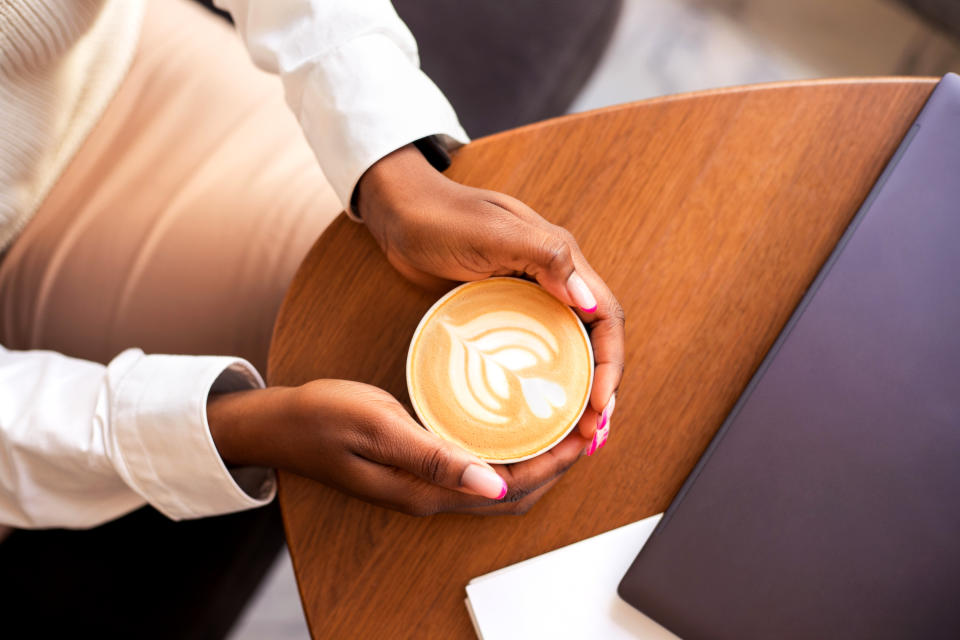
(828, 504)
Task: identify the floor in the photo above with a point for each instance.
(672, 46)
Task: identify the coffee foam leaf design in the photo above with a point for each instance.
(542, 396)
(489, 349)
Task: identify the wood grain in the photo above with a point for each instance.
(708, 215)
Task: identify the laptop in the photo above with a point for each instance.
(828, 503)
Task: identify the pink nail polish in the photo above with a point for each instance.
(483, 481)
(607, 411)
(580, 293)
(603, 426)
(593, 445)
(606, 436)
(602, 421)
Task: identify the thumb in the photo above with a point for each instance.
(548, 253)
(442, 463)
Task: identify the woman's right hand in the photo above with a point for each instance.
(359, 439)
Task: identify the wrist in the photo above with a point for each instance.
(241, 423)
(394, 179)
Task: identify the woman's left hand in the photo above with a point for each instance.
(433, 229)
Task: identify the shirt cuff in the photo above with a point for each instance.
(160, 441)
(350, 124)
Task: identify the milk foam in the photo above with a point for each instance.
(501, 368)
(487, 351)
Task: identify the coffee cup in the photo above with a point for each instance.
(501, 368)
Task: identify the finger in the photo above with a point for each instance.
(530, 245)
(602, 432)
(405, 444)
(527, 480)
(579, 292)
(587, 425)
(517, 508)
(525, 477)
(608, 369)
(397, 488)
(607, 335)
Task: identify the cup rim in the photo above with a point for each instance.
(573, 423)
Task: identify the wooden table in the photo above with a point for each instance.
(707, 214)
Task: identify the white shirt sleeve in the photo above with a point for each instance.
(351, 74)
(82, 443)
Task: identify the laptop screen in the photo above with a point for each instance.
(828, 504)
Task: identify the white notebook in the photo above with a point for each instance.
(567, 593)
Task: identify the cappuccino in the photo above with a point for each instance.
(501, 368)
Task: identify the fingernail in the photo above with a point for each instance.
(604, 435)
(603, 426)
(604, 418)
(580, 293)
(485, 481)
(607, 410)
(593, 444)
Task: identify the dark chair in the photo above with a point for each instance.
(503, 63)
(943, 13)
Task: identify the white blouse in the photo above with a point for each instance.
(82, 443)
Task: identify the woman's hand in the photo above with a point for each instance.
(432, 228)
(359, 439)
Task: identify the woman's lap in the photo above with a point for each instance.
(176, 228)
(179, 224)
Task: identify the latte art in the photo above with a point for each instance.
(500, 367)
(486, 356)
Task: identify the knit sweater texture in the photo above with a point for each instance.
(61, 61)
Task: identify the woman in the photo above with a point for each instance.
(156, 196)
